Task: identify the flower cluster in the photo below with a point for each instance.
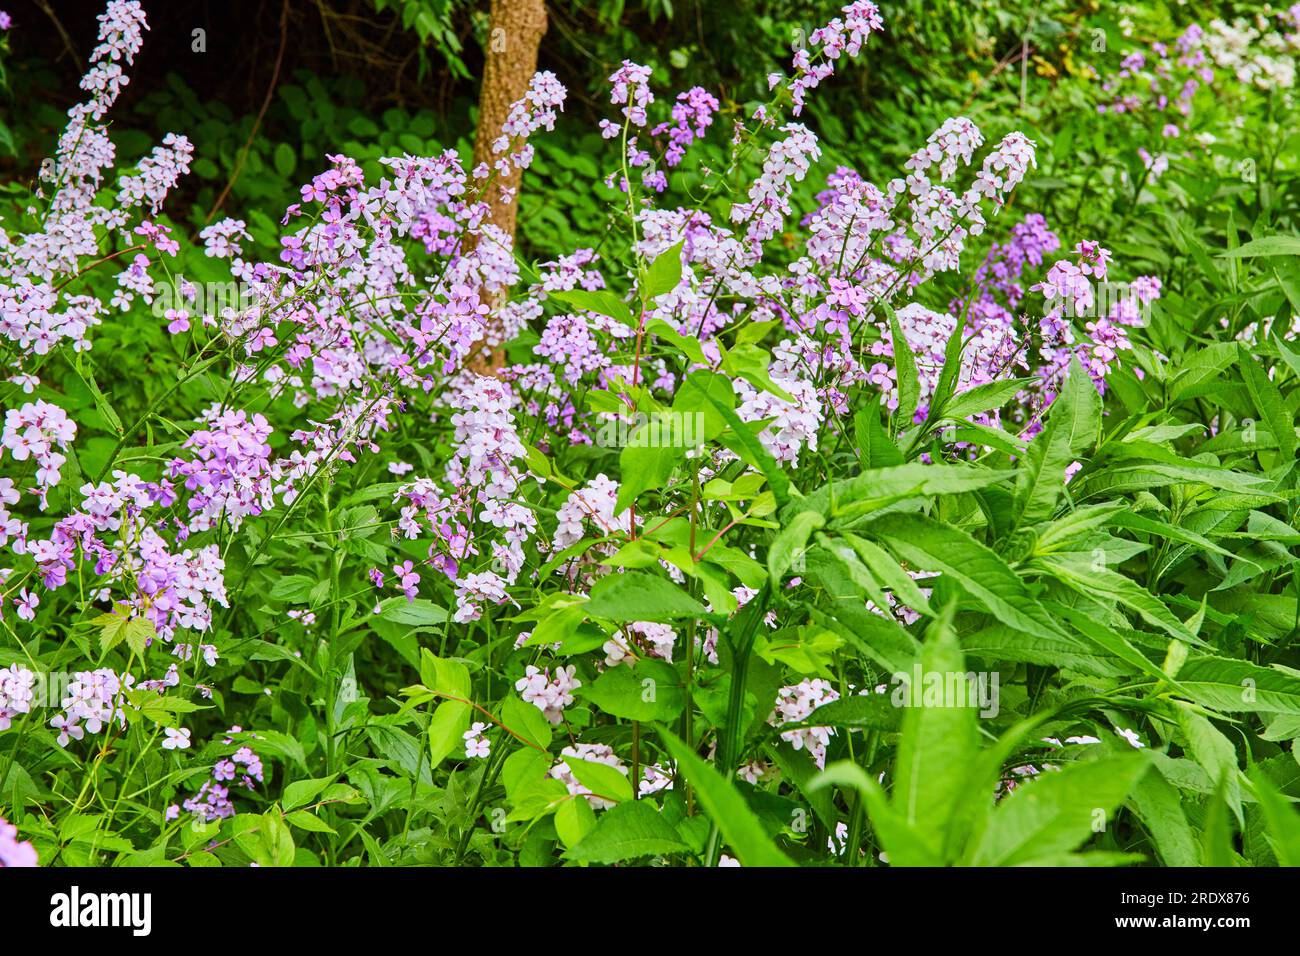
(212, 802)
(14, 852)
(549, 693)
(39, 431)
(795, 704)
(17, 692)
(231, 474)
(828, 43)
(591, 753)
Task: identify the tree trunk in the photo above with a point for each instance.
(516, 31)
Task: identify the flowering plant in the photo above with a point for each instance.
(780, 535)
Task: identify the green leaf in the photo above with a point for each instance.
(602, 302)
(879, 638)
(1056, 812)
(628, 831)
(604, 781)
(574, 819)
(1207, 745)
(981, 398)
(904, 845)
(447, 730)
(302, 792)
(909, 385)
(789, 545)
(1092, 581)
(1270, 404)
(116, 627)
(740, 827)
(1072, 425)
(1265, 246)
(645, 465)
(284, 159)
(656, 446)
(890, 573)
(751, 363)
(102, 403)
(638, 596)
(1159, 806)
(874, 444)
(305, 820)
(929, 544)
(419, 612)
(650, 691)
(1232, 686)
(867, 489)
(451, 719)
(1282, 823)
(526, 721)
(939, 739)
(687, 345)
(664, 273)
(1216, 838)
(752, 450)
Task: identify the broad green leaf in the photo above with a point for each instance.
(1265, 246)
(1072, 425)
(419, 612)
(527, 721)
(740, 828)
(752, 363)
(790, 544)
(664, 273)
(1282, 822)
(986, 577)
(574, 819)
(302, 792)
(874, 444)
(604, 781)
(1158, 805)
(1057, 812)
(650, 691)
(602, 302)
(981, 398)
(638, 596)
(1234, 686)
(939, 737)
(629, 831)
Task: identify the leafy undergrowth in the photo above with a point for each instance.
(909, 527)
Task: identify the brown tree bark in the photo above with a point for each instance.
(516, 30)
(515, 35)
